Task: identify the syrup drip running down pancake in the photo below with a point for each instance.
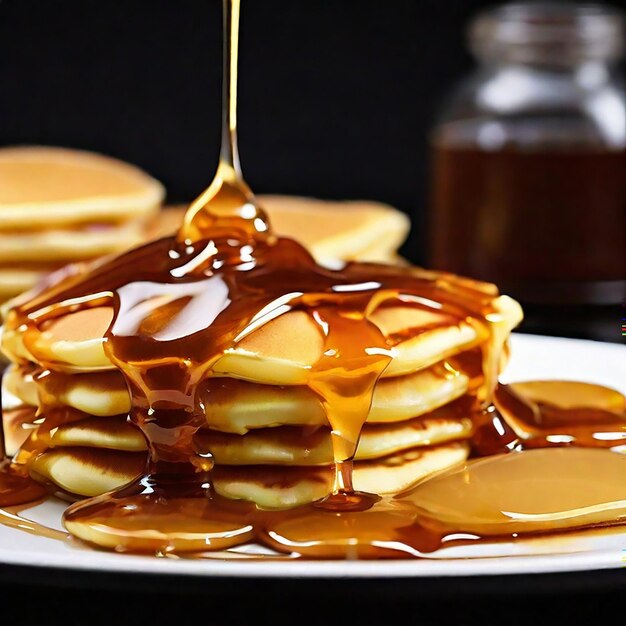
(220, 387)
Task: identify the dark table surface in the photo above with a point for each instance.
(43, 596)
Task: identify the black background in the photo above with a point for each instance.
(336, 96)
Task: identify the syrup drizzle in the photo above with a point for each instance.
(182, 303)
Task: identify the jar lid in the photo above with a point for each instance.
(556, 33)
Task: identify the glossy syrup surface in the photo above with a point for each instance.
(182, 303)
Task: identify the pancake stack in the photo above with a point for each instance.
(59, 206)
(66, 405)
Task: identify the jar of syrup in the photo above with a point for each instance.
(529, 165)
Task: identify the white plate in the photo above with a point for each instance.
(532, 358)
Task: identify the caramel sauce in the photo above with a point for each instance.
(181, 303)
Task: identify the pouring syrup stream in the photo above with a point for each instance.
(228, 204)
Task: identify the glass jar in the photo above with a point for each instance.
(529, 158)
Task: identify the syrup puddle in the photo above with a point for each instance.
(590, 540)
(501, 506)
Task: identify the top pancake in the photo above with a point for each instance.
(59, 188)
(281, 352)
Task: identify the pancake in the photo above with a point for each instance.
(105, 433)
(355, 227)
(59, 206)
(234, 406)
(59, 187)
(280, 352)
(88, 472)
(357, 230)
(276, 488)
(289, 445)
(17, 278)
(283, 445)
(81, 472)
(64, 246)
(14, 281)
(237, 407)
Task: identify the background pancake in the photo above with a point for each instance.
(15, 281)
(64, 246)
(357, 230)
(59, 205)
(54, 220)
(60, 187)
